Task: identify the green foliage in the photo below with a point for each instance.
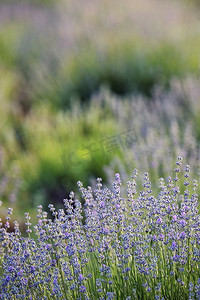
(132, 67)
(125, 65)
(60, 149)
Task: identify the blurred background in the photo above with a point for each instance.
(89, 88)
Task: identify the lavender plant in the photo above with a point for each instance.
(163, 129)
(134, 246)
(9, 180)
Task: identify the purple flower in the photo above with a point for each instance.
(182, 235)
(161, 237)
(159, 221)
(105, 230)
(183, 223)
(154, 238)
(20, 273)
(173, 247)
(48, 246)
(102, 204)
(11, 269)
(82, 289)
(176, 258)
(80, 277)
(169, 210)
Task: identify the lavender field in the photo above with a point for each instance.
(138, 245)
(99, 149)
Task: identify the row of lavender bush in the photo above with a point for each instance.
(78, 144)
(162, 130)
(133, 245)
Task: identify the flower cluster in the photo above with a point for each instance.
(116, 246)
